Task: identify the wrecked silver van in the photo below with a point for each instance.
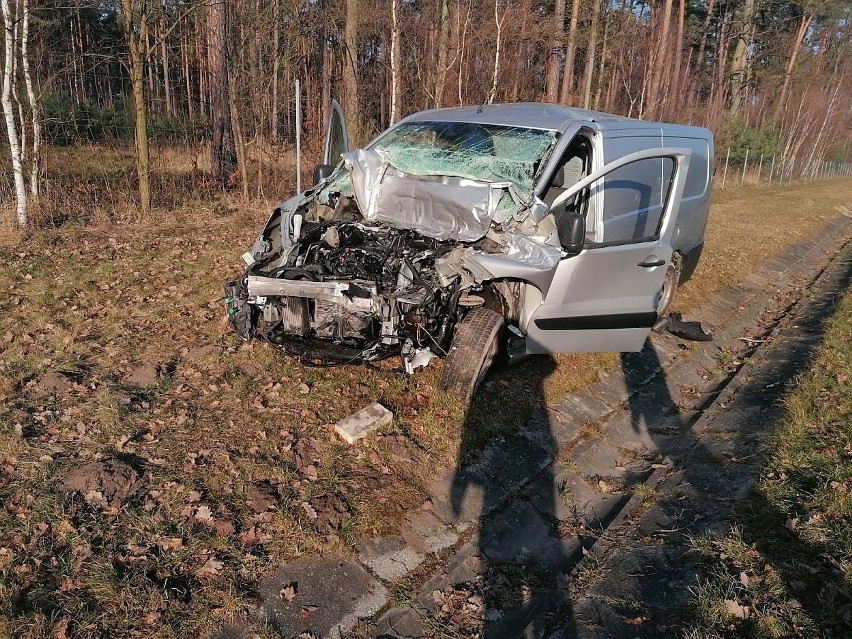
(465, 233)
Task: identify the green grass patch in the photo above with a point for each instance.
(785, 570)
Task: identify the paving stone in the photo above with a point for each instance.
(428, 534)
(465, 566)
(611, 388)
(509, 462)
(539, 430)
(571, 499)
(640, 368)
(458, 499)
(388, 557)
(580, 409)
(342, 593)
(643, 433)
(530, 619)
(519, 535)
(594, 456)
(399, 623)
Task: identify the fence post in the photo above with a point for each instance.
(745, 166)
(725, 174)
(771, 169)
(759, 169)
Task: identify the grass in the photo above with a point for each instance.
(785, 569)
(237, 467)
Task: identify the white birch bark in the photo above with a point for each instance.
(9, 113)
(35, 106)
(493, 92)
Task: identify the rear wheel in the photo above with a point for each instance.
(474, 349)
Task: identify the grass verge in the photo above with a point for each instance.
(785, 569)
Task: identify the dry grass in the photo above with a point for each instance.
(233, 446)
(748, 226)
(785, 569)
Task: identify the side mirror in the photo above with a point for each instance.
(322, 171)
(571, 228)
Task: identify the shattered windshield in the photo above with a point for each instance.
(484, 152)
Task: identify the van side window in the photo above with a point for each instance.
(634, 196)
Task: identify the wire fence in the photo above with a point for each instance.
(756, 169)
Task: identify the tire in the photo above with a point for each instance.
(475, 346)
(667, 292)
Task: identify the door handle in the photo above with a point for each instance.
(650, 264)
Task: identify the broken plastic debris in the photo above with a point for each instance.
(686, 330)
(248, 258)
(420, 359)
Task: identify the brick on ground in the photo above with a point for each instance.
(360, 424)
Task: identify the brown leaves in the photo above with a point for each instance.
(170, 543)
(288, 592)
(734, 609)
(210, 568)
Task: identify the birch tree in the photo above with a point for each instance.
(12, 131)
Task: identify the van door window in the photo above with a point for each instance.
(573, 166)
(634, 196)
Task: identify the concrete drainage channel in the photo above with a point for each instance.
(592, 491)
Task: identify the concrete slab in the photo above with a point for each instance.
(399, 623)
(388, 557)
(428, 534)
(334, 592)
(520, 535)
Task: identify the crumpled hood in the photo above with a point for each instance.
(444, 208)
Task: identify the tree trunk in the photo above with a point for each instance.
(443, 49)
(590, 55)
(557, 44)
(740, 61)
(223, 156)
(276, 64)
(705, 29)
(570, 53)
(395, 62)
(35, 106)
(10, 30)
(492, 93)
(804, 24)
(674, 90)
(351, 104)
(660, 64)
(137, 78)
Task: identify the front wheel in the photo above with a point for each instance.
(667, 292)
(474, 349)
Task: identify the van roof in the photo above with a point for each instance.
(539, 115)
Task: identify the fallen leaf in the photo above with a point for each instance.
(310, 510)
(794, 604)
(309, 472)
(288, 592)
(306, 612)
(745, 580)
(636, 621)
(224, 528)
(203, 513)
(210, 568)
(736, 610)
(151, 618)
(170, 543)
(792, 523)
(304, 389)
